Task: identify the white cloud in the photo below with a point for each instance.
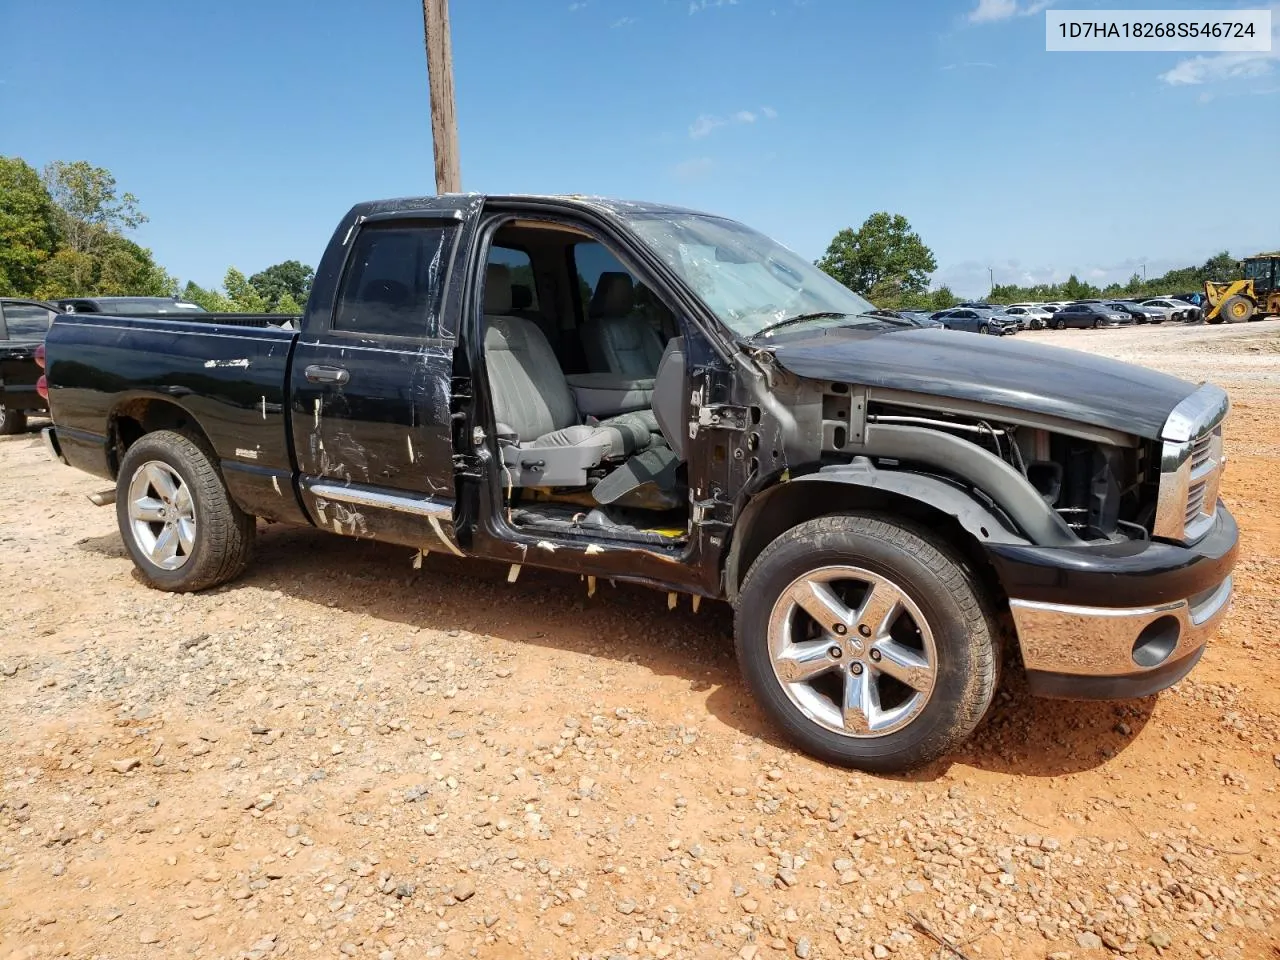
(704, 125)
(969, 65)
(988, 11)
(622, 22)
(1219, 67)
(697, 6)
(578, 5)
(693, 169)
(707, 123)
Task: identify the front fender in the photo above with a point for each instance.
(853, 486)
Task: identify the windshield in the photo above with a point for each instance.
(749, 281)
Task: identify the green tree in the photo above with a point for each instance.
(291, 278)
(244, 298)
(1221, 266)
(89, 206)
(28, 232)
(212, 300)
(885, 253)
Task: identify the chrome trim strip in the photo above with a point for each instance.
(417, 506)
(1212, 604)
(1197, 414)
(1098, 641)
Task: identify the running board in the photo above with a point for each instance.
(417, 506)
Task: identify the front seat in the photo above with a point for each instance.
(615, 338)
(544, 441)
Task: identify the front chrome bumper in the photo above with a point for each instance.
(1114, 652)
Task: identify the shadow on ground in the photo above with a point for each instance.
(1021, 735)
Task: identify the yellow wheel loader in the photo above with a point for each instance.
(1256, 296)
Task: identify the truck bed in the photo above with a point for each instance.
(230, 374)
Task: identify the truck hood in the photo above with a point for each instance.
(997, 370)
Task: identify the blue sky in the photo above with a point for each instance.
(247, 127)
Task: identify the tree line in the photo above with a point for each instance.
(887, 262)
(63, 234)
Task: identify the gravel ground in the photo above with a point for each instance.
(340, 755)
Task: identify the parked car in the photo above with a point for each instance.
(975, 320)
(129, 306)
(23, 324)
(1089, 314)
(848, 483)
(920, 318)
(1178, 311)
(1139, 313)
(917, 318)
(1033, 318)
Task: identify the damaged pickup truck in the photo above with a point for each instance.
(637, 392)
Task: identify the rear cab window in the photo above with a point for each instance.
(394, 279)
(524, 288)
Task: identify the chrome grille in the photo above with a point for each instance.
(1201, 450)
(1191, 465)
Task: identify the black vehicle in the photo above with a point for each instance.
(681, 402)
(1137, 311)
(129, 306)
(23, 324)
(977, 320)
(1090, 314)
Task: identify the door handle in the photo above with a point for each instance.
(319, 374)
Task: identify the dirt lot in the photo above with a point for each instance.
(339, 755)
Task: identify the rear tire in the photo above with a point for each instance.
(12, 421)
(1237, 309)
(179, 524)
(942, 630)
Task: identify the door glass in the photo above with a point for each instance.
(394, 280)
(524, 292)
(26, 320)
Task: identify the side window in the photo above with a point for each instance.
(524, 290)
(394, 280)
(26, 320)
(608, 289)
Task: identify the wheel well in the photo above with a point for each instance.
(795, 503)
(134, 418)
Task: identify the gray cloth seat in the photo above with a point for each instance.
(544, 441)
(615, 338)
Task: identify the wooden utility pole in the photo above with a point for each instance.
(444, 120)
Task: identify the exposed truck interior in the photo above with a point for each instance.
(586, 373)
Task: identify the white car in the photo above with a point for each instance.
(1175, 310)
(1031, 316)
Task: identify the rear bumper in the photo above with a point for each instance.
(1151, 609)
(23, 396)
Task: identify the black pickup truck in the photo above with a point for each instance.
(23, 324)
(644, 393)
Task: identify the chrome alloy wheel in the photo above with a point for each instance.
(852, 651)
(162, 515)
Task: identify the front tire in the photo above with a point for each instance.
(179, 524)
(12, 421)
(1237, 309)
(1059, 324)
(983, 328)
(867, 642)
